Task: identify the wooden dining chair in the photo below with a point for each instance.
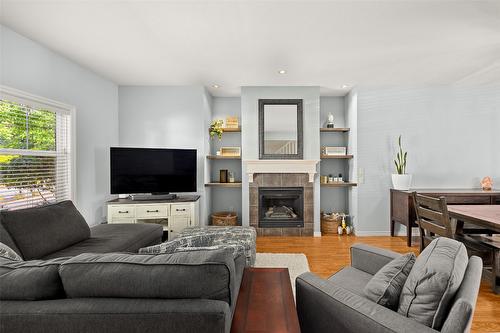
(432, 218)
(433, 221)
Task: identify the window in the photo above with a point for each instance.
(35, 150)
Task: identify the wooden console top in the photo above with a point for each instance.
(181, 198)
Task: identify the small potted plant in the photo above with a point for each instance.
(401, 180)
(216, 128)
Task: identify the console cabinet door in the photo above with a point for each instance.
(177, 224)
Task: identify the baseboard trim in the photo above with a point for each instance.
(317, 234)
(414, 232)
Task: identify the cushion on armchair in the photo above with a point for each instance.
(59, 225)
(433, 281)
(385, 286)
(183, 275)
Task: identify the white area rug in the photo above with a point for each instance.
(295, 262)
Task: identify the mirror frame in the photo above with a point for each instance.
(262, 154)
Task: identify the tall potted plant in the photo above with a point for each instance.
(401, 180)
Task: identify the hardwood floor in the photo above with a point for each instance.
(326, 255)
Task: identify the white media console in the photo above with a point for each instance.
(174, 215)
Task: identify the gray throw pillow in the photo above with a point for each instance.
(7, 253)
(433, 282)
(385, 286)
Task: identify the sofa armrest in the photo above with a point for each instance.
(370, 259)
(323, 306)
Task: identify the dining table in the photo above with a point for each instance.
(488, 217)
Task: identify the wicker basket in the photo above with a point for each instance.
(224, 219)
(329, 225)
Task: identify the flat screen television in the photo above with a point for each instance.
(152, 170)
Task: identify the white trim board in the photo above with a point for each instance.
(414, 232)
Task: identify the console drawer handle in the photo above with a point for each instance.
(123, 212)
(152, 211)
(180, 210)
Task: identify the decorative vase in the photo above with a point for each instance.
(401, 182)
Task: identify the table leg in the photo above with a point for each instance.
(495, 272)
(408, 234)
(392, 227)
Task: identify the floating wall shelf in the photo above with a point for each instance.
(339, 129)
(336, 156)
(345, 184)
(220, 157)
(235, 184)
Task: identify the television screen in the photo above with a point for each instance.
(152, 170)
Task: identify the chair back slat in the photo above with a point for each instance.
(432, 218)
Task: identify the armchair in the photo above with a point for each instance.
(338, 304)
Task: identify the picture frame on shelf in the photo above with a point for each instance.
(230, 151)
(334, 151)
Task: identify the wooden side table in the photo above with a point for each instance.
(265, 302)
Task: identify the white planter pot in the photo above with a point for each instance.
(401, 182)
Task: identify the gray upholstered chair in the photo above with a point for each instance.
(338, 304)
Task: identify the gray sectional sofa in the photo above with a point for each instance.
(70, 282)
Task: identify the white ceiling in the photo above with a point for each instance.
(246, 42)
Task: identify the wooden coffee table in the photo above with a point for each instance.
(265, 302)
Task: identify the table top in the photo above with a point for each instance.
(265, 302)
(483, 215)
(180, 198)
(465, 191)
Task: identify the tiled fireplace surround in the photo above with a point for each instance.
(282, 180)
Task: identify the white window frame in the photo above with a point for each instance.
(39, 102)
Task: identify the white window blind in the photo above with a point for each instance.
(35, 154)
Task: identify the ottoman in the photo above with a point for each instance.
(240, 239)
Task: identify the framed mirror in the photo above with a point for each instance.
(280, 129)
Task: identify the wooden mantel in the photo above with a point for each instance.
(281, 166)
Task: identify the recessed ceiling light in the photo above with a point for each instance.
(216, 86)
(282, 71)
(345, 86)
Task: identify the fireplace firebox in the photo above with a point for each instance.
(281, 207)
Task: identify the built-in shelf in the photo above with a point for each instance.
(338, 129)
(235, 184)
(339, 184)
(323, 156)
(220, 157)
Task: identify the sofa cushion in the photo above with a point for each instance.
(30, 280)
(433, 282)
(385, 286)
(200, 274)
(7, 253)
(42, 230)
(115, 237)
(6, 239)
(352, 279)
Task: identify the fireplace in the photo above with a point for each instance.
(288, 192)
(281, 207)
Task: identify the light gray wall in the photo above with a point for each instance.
(31, 67)
(168, 117)
(452, 135)
(332, 198)
(226, 199)
(250, 136)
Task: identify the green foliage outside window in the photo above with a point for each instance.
(26, 129)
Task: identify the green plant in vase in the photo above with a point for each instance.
(216, 128)
(400, 160)
(401, 180)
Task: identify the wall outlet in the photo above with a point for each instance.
(361, 175)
